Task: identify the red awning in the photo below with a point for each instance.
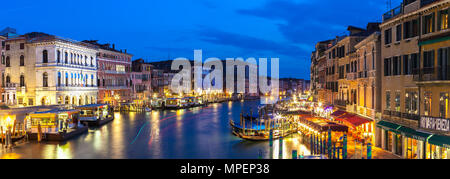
(353, 120)
(339, 113)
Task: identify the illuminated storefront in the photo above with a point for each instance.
(438, 146)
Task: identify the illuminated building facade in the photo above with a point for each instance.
(141, 77)
(415, 80)
(369, 80)
(2, 69)
(42, 69)
(114, 70)
(158, 82)
(320, 72)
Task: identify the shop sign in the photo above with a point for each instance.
(414, 137)
(434, 123)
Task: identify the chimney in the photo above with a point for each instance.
(125, 50)
(113, 46)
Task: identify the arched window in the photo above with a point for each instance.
(22, 60)
(58, 56)
(60, 98)
(67, 100)
(66, 57)
(45, 80)
(22, 81)
(45, 56)
(8, 79)
(59, 78)
(8, 62)
(71, 58)
(92, 61)
(85, 61)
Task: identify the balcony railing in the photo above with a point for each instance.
(392, 13)
(12, 85)
(432, 74)
(351, 76)
(340, 102)
(362, 74)
(396, 113)
(409, 116)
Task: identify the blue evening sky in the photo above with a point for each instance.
(158, 29)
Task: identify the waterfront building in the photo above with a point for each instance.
(167, 81)
(158, 82)
(339, 75)
(343, 62)
(307, 86)
(141, 77)
(369, 81)
(320, 88)
(2, 68)
(114, 70)
(415, 88)
(42, 69)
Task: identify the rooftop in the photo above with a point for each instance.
(105, 46)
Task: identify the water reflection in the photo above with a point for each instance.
(201, 132)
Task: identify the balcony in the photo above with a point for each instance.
(409, 116)
(342, 103)
(114, 72)
(352, 76)
(402, 116)
(362, 74)
(431, 74)
(11, 86)
(396, 114)
(392, 13)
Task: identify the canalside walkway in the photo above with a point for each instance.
(377, 153)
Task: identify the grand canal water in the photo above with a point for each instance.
(200, 133)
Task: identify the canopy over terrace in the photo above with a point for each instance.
(321, 124)
(339, 113)
(353, 120)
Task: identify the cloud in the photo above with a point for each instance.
(250, 44)
(309, 21)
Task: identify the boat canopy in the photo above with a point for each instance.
(90, 106)
(55, 112)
